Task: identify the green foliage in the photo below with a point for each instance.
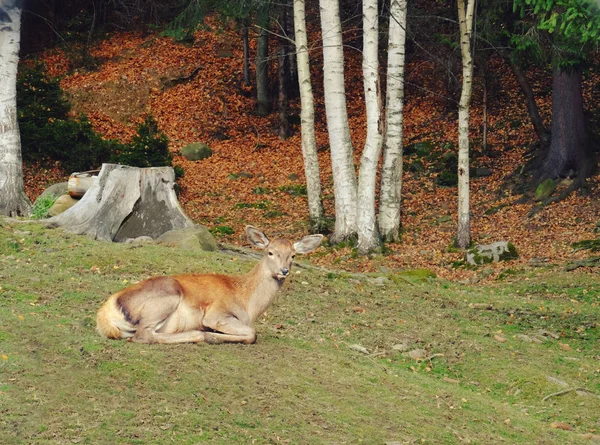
(182, 28)
(590, 244)
(39, 97)
(447, 179)
(294, 190)
(574, 27)
(148, 148)
(179, 171)
(48, 134)
(42, 205)
(261, 205)
(544, 190)
(222, 230)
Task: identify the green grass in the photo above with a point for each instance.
(301, 382)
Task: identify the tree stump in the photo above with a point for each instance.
(126, 202)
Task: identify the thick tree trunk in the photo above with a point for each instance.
(465, 16)
(368, 235)
(570, 148)
(307, 116)
(126, 202)
(13, 201)
(263, 101)
(344, 173)
(391, 171)
(534, 114)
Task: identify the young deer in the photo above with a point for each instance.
(195, 308)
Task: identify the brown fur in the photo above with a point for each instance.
(202, 307)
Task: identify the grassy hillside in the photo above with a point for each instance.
(340, 358)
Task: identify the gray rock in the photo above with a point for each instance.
(191, 237)
(379, 281)
(55, 190)
(61, 204)
(525, 338)
(196, 151)
(417, 354)
(491, 253)
(139, 240)
(480, 172)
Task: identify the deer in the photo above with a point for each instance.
(203, 308)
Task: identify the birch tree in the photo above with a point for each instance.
(391, 172)
(344, 174)
(368, 235)
(465, 19)
(307, 116)
(13, 200)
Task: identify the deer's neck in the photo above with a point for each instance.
(262, 290)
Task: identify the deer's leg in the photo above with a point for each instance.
(231, 330)
(149, 336)
(228, 329)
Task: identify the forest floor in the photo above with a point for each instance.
(255, 178)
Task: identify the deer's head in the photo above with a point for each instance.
(278, 255)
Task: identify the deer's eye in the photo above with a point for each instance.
(270, 253)
(293, 256)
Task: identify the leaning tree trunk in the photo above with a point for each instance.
(532, 108)
(570, 147)
(126, 202)
(465, 16)
(391, 170)
(13, 201)
(368, 235)
(307, 117)
(262, 73)
(344, 174)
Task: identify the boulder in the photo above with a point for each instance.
(196, 236)
(491, 253)
(61, 204)
(196, 151)
(55, 190)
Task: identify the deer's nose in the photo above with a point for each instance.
(285, 271)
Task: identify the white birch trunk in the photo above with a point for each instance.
(391, 172)
(344, 173)
(465, 17)
(368, 235)
(307, 116)
(13, 201)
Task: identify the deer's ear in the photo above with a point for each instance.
(256, 237)
(308, 244)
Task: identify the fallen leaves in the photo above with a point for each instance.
(499, 338)
(561, 426)
(215, 107)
